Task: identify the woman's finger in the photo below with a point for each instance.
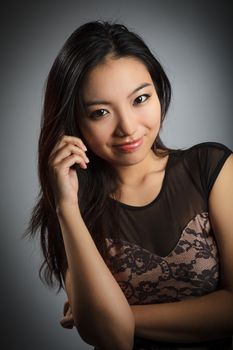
(68, 162)
(66, 151)
(66, 306)
(68, 139)
(76, 140)
(67, 322)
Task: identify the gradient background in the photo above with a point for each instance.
(192, 39)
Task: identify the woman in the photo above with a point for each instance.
(138, 235)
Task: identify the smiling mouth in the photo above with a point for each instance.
(127, 143)
(130, 146)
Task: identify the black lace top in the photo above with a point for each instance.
(166, 251)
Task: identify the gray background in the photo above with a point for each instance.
(193, 40)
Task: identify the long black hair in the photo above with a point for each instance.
(87, 47)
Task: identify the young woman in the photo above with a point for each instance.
(138, 235)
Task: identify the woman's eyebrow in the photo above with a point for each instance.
(101, 102)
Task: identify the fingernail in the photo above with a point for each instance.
(84, 148)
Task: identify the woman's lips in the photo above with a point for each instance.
(130, 147)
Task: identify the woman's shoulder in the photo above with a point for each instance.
(205, 160)
(203, 150)
(208, 153)
(210, 145)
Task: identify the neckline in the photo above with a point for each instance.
(141, 207)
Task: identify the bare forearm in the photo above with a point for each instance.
(98, 304)
(203, 318)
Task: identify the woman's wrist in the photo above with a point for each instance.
(63, 207)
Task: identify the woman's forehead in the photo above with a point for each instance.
(115, 75)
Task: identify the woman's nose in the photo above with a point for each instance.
(126, 123)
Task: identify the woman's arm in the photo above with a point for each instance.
(101, 312)
(209, 316)
(204, 318)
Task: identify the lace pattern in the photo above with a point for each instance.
(191, 269)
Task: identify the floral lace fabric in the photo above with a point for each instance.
(191, 269)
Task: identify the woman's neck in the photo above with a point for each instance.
(135, 175)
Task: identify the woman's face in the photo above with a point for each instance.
(121, 105)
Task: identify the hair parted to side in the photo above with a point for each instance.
(87, 47)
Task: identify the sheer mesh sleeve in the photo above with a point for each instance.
(211, 156)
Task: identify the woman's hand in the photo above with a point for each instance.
(67, 321)
(68, 151)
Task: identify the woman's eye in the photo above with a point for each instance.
(140, 99)
(98, 113)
